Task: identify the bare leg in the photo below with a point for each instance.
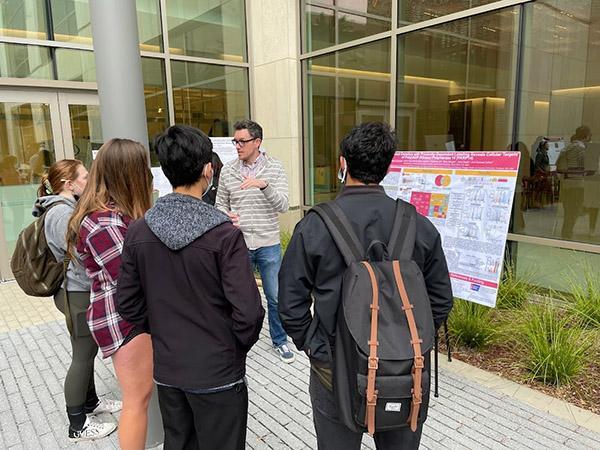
(133, 365)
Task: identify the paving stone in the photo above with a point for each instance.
(34, 360)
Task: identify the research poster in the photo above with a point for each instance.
(468, 196)
(221, 146)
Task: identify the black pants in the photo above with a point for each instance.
(204, 421)
(80, 390)
(333, 435)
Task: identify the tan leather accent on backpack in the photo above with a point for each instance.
(417, 370)
(371, 394)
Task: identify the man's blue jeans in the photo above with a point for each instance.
(268, 262)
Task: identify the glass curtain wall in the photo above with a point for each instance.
(206, 55)
(524, 78)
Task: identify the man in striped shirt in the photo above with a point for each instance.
(253, 191)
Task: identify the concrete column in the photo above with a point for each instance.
(274, 47)
(122, 106)
(119, 69)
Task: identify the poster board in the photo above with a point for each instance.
(221, 146)
(468, 196)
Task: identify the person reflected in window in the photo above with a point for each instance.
(571, 164)
(9, 175)
(542, 160)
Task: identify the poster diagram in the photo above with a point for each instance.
(221, 146)
(468, 197)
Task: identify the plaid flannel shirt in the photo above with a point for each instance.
(100, 244)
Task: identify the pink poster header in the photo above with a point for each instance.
(508, 161)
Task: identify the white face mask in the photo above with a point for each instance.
(209, 187)
(342, 173)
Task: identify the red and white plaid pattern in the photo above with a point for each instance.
(100, 244)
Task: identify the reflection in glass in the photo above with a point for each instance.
(23, 19)
(320, 24)
(71, 20)
(75, 65)
(456, 84)
(25, 61)
(344, 89)
(86, 131)
(210, 97)
(26, 152)
(148, 16)
(411, 11)
(155, 92)
(353, 20)
(559, 121)
(215, 29)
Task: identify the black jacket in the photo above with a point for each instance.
(186, 276)
(313, 266)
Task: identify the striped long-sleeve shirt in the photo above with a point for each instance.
(258, 208)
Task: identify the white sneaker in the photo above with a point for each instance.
(107, 405)
(92, 430)
(285, 354)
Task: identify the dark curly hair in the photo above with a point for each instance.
(369, 149)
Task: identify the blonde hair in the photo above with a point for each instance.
(119, 180)
(53, 181)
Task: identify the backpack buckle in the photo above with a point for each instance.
(419, 362)
(372, 399)
(373, 363)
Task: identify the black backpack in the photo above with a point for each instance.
(384, 331)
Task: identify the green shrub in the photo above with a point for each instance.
(471, 324)
(584, 302)
(556, 349)
(285, 237)
(514, 290)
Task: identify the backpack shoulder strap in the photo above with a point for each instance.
(404, 231)
(341, 231)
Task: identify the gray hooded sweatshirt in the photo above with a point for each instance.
(55, 228)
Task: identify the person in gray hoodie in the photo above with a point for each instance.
(186, 277)
(58, 193)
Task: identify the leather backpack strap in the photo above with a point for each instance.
(419, 360)
(373, 363)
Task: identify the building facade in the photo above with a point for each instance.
(446, 74)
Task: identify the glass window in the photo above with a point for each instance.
(347, 21)
(26, 153)
(210, 97)
(79, 65)
(75, 65)
(554, 268)
(24, 19)
(155, 92)
(148, 15)
(25, 61)
(455, 86)
(344, 88)
(320, 28)
(215, 29)
(86, 131)
(72, 23)
(559, 122)
(411, 11)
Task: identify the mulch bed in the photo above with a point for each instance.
(504, 360)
